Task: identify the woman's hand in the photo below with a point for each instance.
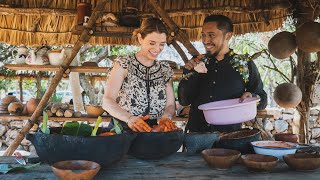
(138, 124)
(166, 124)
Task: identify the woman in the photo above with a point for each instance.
(139, 88)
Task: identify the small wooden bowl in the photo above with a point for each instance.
(75, 169)
(302, 161)
(94, 111)
(259, 162)
(220, 158)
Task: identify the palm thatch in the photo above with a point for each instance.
(51, 22)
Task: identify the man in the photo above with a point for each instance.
(220, 74)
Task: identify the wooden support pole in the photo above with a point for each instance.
(20, 89)
(177, 32)
(180, 51)
(38, 84)
(84, 38)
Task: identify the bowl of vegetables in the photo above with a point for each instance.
(79, 141)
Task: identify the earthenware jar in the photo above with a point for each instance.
(21, 54)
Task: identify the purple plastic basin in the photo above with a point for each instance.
(230, 111)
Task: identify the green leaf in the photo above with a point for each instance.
(5, 168)
(117, 127)
(76, 129)
(44, 126)
(94, 132)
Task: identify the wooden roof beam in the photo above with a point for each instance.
(37, 11)
(176, 32)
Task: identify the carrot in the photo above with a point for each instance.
(107, 134)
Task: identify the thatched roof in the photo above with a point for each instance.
(52, 21)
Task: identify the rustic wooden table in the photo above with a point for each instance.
(177, 166)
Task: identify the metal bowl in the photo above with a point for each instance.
(274, 148)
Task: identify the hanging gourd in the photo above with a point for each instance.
(282, 45)
(308, 37)
(287, 95)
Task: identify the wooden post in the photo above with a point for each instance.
(20, 89)
(85, 36)
(177, 32)
(38, 84)
(180, 51)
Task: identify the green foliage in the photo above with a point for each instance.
(44, 126)
(75, 128)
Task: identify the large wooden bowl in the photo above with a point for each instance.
(302, 161)
(220, 158)
(75, 169)
(258, 162)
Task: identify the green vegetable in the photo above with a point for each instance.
(117, 128)
(44, 126)
(94, 132)
(76, 129)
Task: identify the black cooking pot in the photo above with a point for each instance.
(156, 145)
(195, 142)
(104, 150)
(240, 140)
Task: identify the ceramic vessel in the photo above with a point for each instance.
(32, 105)
(274, 148)
(258, 162)
(38, 57)
(220, 158)
(21, 54)
(56, 57)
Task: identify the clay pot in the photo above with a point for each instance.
(282, 45)
(287, 137)
(287, 95)
(94, 111)
(9, 99)
(15, 108)
(302, 161)
(308, 37)
(32, 105)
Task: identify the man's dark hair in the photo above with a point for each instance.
(223, 22)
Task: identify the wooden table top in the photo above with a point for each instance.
(176, 166)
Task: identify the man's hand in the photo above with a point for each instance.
(245, 95)
(138, 124)
(192, 63)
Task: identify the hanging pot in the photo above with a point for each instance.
(129, 17)
(83, 9)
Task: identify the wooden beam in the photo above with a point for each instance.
(180, 51)
(37, 11)
(84, 38)
(175, 30)
(81, 69)
(84, 117)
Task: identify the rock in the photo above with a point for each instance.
(289, 111)
(12, 133)
(312, 141)
(287, 116)
(33, 151)
(16, 124)
(34, 128)
(314, 112)
(54, 124)
(315, 132)
(3, 147)
(267, 125)
(3, 129)
(281, 125)
(25, 142)
(275, 112)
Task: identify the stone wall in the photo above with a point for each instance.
(283, 121)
